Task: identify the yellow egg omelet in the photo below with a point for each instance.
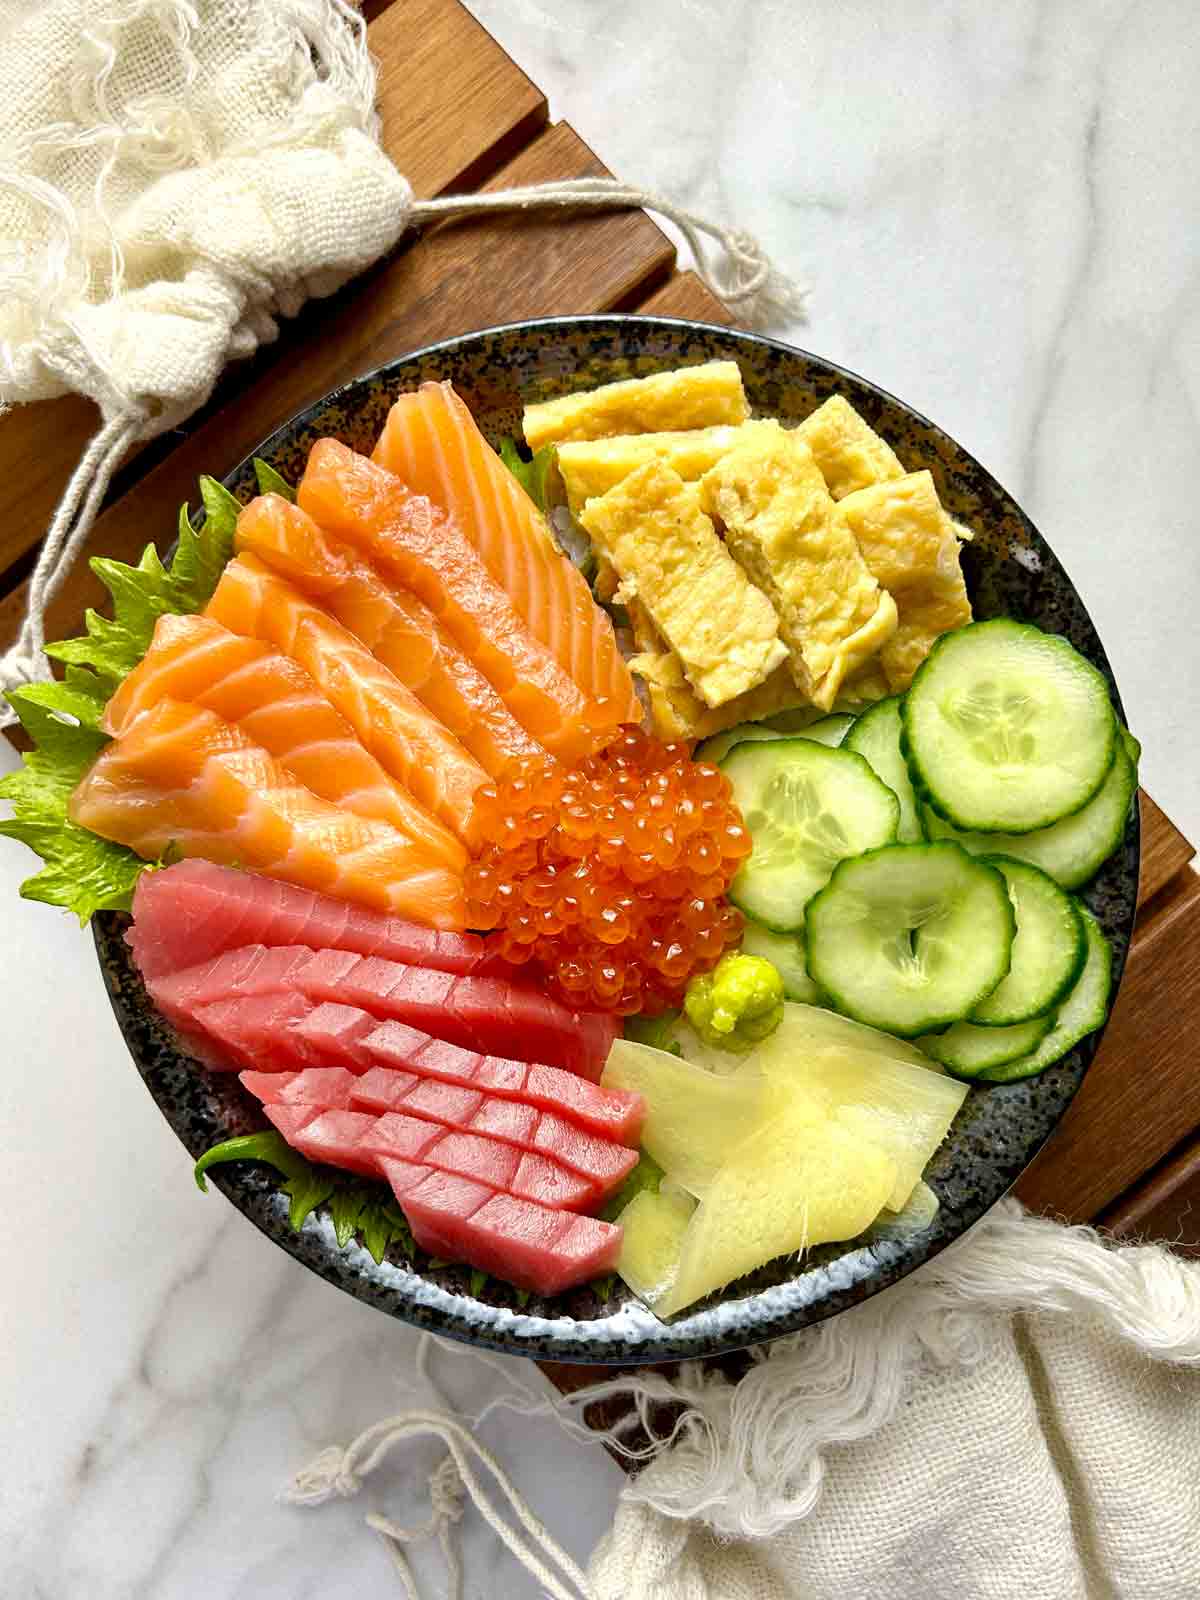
(909, 543)
(593, 466)
(789, 535)
(677, 711)
(688, 397)
(848, 451)
(667, 555)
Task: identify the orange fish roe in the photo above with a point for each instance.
(610, 875)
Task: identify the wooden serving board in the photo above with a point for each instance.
(458, 114)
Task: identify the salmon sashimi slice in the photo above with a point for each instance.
(397, 628)
(182, 778)
(488, 1015)
(426, 551)
(278, 706)
(431, 442)
(390, 721)
(195, 909)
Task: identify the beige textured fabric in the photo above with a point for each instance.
(1056, 1457)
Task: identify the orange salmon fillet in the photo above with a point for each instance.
(395, 626)
(432, 442)
(277, 705)
(427, 552)
(183, 777)
(389, 719)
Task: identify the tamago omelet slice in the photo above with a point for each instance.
(784, 528)
(593, 466)
(910, 545)
(689, 397)
(667, 555)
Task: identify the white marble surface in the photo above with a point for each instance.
(996, 210)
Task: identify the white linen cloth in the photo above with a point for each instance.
(175, 176)
(1018, 1420)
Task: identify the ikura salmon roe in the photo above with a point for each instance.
(609, 877)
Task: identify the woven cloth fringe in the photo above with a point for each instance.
(793, 1469)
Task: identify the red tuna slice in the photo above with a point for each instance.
(254, 1031)
(445, 1204)
(507, 1020)
(194, 910)
(485, 1014)
(329, 1087)
(606, 1163)
(490, 1161)
(333, 1033)
(332, 1137)
(532, 1246)
(609, 1113)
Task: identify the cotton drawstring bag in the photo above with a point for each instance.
(175, 177)
(1018, 1420)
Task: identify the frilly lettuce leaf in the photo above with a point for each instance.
(532, 474)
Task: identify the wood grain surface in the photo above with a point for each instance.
(458, 113)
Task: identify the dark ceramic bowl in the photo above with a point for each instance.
(1010, 570)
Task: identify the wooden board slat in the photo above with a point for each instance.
(463, 275)
(1165, 851)
(685, 296)
(1165, 1206)
(1142, 1094)
(454, 107)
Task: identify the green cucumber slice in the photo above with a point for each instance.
(1084, 1010)
(966, 1050)
(786, 953)
(910, 936)
(1008, 728)
(876, 737)
(827, 730)
(1073, 850)
(807, 808)
(1047, 954)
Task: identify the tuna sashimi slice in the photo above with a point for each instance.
(426, 551)
(490, 1161)
(182, 777)
(529, 1245)
(432, 443)
(329, 1087)
(609, 1113)
(246, 1033)
(196, 909)
(277, 705)
(331, 1137)
(398, 629)
(407, 740)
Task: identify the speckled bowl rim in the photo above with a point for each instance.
(829, 1282)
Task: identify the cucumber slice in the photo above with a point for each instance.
(910, 936)
(807, 808)
(1047, 954)
(966, 1050)
(1084, 1010)
(785, 951)
(1008, 728)
(876, 737)
(1073, 850)
(828, 730)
